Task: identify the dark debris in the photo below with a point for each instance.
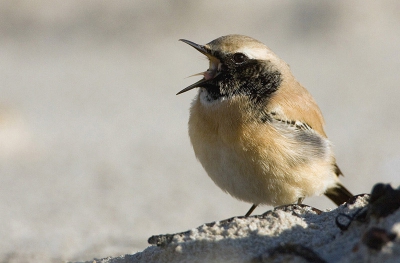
(384, 200)
(343, 221)
(161, 240)
(376, 238)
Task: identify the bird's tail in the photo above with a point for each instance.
(338, 194)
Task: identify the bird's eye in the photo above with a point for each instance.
(239, 58)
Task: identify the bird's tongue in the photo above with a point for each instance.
(213, 69)
(209, 74)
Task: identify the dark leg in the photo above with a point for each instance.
(251, 210)
(300, 201)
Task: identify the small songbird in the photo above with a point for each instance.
(257, 132)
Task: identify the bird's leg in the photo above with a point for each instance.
(251, 210)
(300, 201)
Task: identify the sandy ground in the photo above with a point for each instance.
(353, 233)
(94, 151)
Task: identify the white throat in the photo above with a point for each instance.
(207, 100)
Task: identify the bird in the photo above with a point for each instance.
(257, 132)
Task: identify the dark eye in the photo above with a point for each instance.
(239, 58)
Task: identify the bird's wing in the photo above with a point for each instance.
(292, 124)
(292, 102)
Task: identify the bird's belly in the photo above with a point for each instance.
(237, 174)
(257, 174)
(240, 173)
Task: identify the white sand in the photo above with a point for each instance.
(256, 239)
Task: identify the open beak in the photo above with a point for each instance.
(212, 71)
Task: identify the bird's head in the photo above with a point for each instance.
(238, 65)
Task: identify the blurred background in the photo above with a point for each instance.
(94, 152)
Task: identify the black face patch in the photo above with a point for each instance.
(213, 92)
(255, 79)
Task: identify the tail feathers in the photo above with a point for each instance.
(338, 194)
